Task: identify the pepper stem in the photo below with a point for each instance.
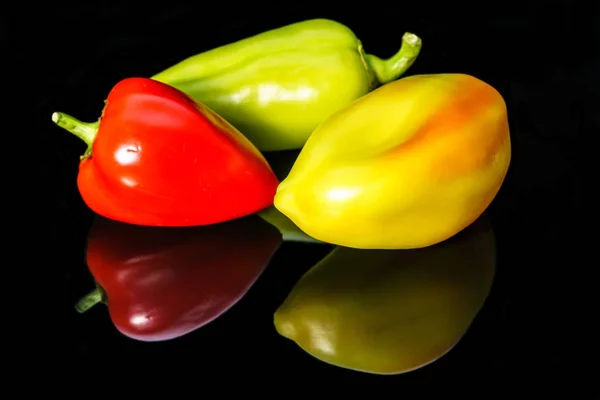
(395, 66)
(90, 300)
(85, 131)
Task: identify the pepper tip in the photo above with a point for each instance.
(55, 117)
(411, 38)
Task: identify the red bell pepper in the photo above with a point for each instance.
(157, 158)
(162, 283)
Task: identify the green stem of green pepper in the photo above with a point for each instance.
(85, 131)
(392, 68)
(90, 300)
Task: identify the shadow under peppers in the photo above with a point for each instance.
(163, 283)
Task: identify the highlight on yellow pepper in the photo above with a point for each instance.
(406, 166)
(391, 311)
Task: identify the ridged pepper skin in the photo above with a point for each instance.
(163, 283)
(277, 86)
(158, 158)
(407, 166)
(391, 312)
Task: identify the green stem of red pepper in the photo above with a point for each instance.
(91, 299)
(85, 131)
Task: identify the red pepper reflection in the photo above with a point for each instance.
(162, 283)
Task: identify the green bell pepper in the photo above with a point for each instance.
(276, 87)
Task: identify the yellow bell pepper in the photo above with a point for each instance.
(406, 166)
(390, 312)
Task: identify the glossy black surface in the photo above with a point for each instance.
(540, 59)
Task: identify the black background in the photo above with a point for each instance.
(541, 58)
